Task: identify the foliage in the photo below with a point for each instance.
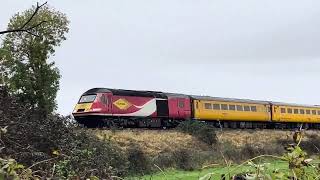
(10, 169)
(184, 160)
(54, 147)
(202, 131)
(29, 74)
(299, 165)
(139, 163)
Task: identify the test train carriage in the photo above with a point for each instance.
(100, 107)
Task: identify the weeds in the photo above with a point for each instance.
(199, 130)
(299, 165)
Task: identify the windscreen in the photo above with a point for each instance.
(87, 98)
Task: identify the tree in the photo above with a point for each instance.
(29, 73)
(24, 27)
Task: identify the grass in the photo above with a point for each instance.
(156, 141)
(153, 142)
(217, 172)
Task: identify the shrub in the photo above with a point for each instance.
(164, 160)
(139, 163)
(184, 159)
(200, 130)
(53, 147)
(312, 144)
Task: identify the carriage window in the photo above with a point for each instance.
(289, 110)
(314, 112)
(254, 108)
(232, 107)
(301, 111)
(216, 106)
(207, 106)
(308, 111)
(224, 107)
(239, 108)
(296, 111)
(181, 104)
(246, 108)
(283, 110)
(318, 112)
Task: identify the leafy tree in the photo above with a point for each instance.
(29, 73)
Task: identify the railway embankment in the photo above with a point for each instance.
(180, 150)
(156, 141)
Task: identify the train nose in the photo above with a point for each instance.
(83, 107)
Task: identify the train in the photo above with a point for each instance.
(107, 107)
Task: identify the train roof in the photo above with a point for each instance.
(159, 94)
(229, 99)
(252, 101)
(123, 92)
(295, 105)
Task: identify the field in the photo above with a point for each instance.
(216, 172)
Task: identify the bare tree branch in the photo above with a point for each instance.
(23, 27)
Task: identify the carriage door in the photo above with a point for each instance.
(276, 113)
(162, 107)
(181, 106)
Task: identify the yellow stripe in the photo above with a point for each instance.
(85, 106)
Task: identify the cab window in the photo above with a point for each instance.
(87, 98)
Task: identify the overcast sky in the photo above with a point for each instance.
(266, 50)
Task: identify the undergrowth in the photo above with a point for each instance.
(300, 166)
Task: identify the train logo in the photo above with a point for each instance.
(122, 104)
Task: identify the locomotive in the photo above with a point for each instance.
(99, 107)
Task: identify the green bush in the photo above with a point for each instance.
(164, 160)
(184, 159)
(53, 146)
(139, 163)
(200, 130)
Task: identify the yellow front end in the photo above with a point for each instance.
(82, 107)
(230, 111)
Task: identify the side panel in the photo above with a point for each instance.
(134, 106)
(219, 110)
(296, 114)
(106, 102)
(179, 108)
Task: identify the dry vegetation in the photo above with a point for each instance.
(156, 141)
(152, 141)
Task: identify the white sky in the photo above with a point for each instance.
(266, 50)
